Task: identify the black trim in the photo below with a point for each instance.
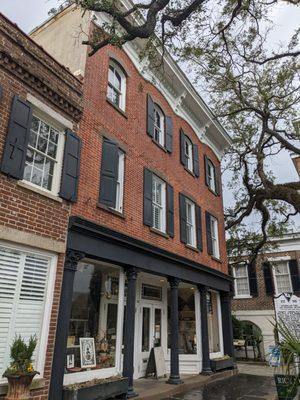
(103, 243)
(294, 272)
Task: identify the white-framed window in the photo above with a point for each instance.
(116, 88)
(159, 203)
(120, 182)
(188, 151)
(159, 126)
(211, 177)
(214, 236)
(44, 155)
(26, 293)
(282, 278)
(190, 223)
(241, 280)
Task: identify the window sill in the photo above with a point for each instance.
(190, 172)
(212, 191)
(111, 210)
(165, 235)
(242, 297)
(42, 192)
(192, 248)
(160, 146)
(117, 108)
(38, 383)
(216, 259)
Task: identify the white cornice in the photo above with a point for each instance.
(178, 91)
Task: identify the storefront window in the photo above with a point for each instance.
(93, 325)
(213, 322)
(187, 320)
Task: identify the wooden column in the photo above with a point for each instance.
(206, 369)
(64, 313)
(174, 378)
(227, 323)
(131, 274)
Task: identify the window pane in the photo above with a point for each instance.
(94, 315)
(187, 320)
(157, 327)
(146, 329)
(42, 153)
(242, 286)
(151, 292)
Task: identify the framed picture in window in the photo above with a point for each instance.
(87, 352)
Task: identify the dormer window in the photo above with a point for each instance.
(116, 89)
(159, 126)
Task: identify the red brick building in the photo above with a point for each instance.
(40, 106)
(146, 235)
(146, 264)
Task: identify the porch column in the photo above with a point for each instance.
(59, 356)
(206, 370)
(174, 378)
(227, 323)
(131, 274)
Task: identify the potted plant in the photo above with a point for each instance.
(20, 373)
(289, 346)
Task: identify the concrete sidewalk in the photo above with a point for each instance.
(252, 368)
(154, 389)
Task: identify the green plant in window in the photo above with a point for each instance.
(21, 356)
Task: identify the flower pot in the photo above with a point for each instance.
(19, 386)
(286, 386)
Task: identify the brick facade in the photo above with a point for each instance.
(100, 119)
(25, 68)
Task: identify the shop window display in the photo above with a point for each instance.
(187, 320)
(93, 324)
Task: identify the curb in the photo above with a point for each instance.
(194, 383)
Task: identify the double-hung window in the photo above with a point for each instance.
(212, 235)
(159, 204)
(120, 182)
(241, 280)
(190, 223)
(211, 179)
(159, 126)
(116, 89)
(282, 278)
(112, 176)
(188, 151)
(43, 157)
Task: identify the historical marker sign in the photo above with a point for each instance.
(287, 310)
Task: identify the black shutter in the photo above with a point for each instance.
(15, 148)
(182, 214)
(196, 160)
(199, 228)
(148, 217)
(109, 173)
(208, 233)
(150, 116)
(294, 272)
(267, 269)
(71, 167)
(252, 279)
(170, 210)
(206, 170)
(169, 134)
(182, 148)
(217, 180)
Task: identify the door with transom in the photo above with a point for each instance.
(151, 333)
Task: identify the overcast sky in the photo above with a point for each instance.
(29, 13)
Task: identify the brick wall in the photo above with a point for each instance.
(25, 68)
(101, 118)
(262, 301)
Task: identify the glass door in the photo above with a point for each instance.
(151, 333)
